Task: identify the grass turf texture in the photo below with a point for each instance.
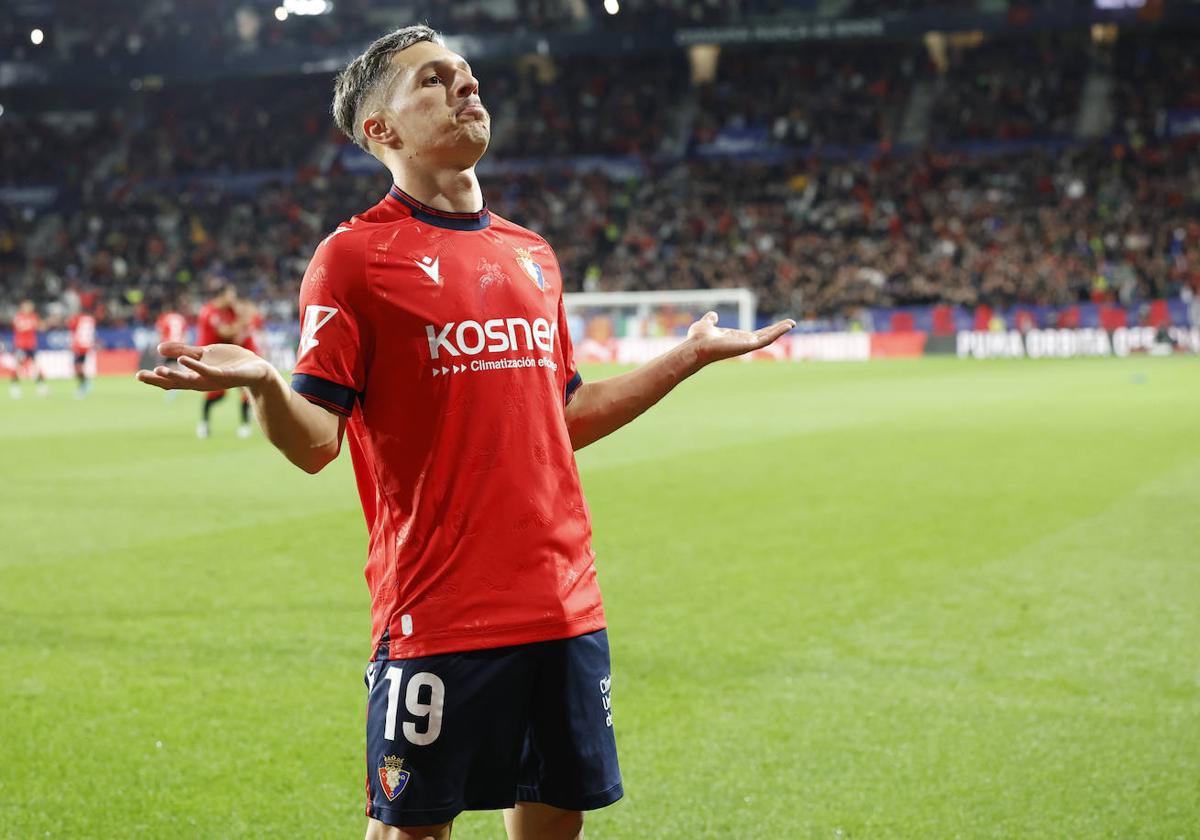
(901, 599)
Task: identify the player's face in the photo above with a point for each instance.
(433, 106)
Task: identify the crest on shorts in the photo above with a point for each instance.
(392, 776)
(531, 268)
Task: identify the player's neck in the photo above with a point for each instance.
(450, 190)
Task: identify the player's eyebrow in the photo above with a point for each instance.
(432, 63)
(401, 68)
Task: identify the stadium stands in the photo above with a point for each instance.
(1011, 88)
(788, 172)
(819, 96)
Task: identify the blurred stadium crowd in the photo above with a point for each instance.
(880, 173)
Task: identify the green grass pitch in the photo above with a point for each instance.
(924, 599)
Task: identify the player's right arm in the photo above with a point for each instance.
(306, 421)
(308, 434)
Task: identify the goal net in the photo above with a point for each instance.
(631, 327)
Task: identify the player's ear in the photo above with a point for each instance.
(377, 130)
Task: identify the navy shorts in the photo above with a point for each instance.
(482, 730)
(24, 355)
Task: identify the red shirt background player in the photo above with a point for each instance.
(83, 341)
(218, 321)
(83, 335)
(171, 326)
(225, 320)
(26, 324)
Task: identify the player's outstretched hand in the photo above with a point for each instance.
(714, 343)
(214, 367)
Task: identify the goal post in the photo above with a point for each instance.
(633, 327)
(657, 313)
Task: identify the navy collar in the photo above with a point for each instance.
(441, 218)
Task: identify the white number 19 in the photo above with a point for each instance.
(430, 709)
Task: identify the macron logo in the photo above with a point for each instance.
(430, 267)
(315, 317)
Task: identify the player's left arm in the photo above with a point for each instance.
(597, 409)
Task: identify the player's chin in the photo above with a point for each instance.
(475, 132)
(472, 121)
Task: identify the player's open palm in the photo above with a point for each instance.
(715, 343)
(213, 367)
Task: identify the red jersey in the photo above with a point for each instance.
(442, 336)
(83, 334)
(25, 329)
(210, 318)
(171, 327)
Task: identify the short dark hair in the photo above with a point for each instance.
(358, 81)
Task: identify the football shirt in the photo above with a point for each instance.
(25, 329)
(172, 326)
(83, 334)
(442, 337)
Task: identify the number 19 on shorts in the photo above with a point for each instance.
(424, 699)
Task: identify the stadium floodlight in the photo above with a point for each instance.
(37, 36)
(612, 6)
(307, 7)
(281, 14)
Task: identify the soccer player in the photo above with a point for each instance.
(224, 319)
(83, 342)
(489, 685)
(171, 325)
(25, 325)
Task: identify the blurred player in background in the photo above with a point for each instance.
(225, 319)
(490, 684)
(25, 325)
(83, 342)
(171, 326)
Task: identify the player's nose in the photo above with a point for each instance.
(468, 85)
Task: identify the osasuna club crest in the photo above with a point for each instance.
(392, 776)
(531, 268)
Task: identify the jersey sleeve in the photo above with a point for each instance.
(571, 375)
(330, 362)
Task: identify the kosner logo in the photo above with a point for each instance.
(470, 338)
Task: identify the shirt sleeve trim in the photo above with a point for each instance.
(572, 387)
(333, 396)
